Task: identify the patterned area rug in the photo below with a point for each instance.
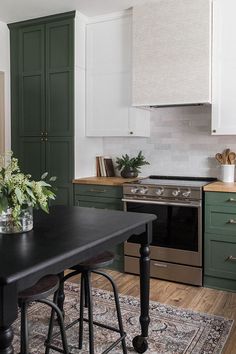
(172, 330)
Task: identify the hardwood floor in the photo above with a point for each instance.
(210, 301)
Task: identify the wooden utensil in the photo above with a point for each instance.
(219, 158)
(225, 156)
(231, 158)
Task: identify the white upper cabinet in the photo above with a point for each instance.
(224, 68)
(172, 52)
(108, 80)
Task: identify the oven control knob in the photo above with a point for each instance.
(143, 190)
(160, 191)
(176, 192)
(134, 190)
(186, 194)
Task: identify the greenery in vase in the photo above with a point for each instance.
(133, 163)
(18, 191)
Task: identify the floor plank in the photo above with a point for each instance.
(206, 300)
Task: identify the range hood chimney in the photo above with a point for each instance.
(172, 53)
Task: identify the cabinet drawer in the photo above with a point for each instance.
(220, 220)
(98, 191)
(99, 205)
(220, 256)
(218, 198)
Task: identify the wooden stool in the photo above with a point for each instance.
(45, 287)
(85, 269)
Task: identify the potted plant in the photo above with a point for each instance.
(130, 166)
(19, 194)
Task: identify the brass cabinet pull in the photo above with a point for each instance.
(42, 139)
(231, 200)
(97, 190)
(45, 139)
(45, 133)
(232, 221)
(42, 133)
(160, 265)
(231, 258)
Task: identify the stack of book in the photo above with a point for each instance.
(104, 167)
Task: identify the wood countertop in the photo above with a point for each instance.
(105, 181)
(220, 187)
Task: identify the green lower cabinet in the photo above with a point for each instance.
(102, 197)
(219, 243)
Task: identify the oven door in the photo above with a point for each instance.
(177, 231)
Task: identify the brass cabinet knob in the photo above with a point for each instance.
(42, 139)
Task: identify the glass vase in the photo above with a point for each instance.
(9, 226)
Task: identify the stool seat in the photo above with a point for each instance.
(100, 261)
(41, 290)
(86, 269)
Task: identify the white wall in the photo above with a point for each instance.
(5, 67)
(85, 148)
(180, 143)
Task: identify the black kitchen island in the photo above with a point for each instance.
(65, 237)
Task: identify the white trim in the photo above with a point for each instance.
(2, 112)
(109, 17)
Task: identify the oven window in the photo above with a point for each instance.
(175, 227)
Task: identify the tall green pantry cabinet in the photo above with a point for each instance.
(42, 94)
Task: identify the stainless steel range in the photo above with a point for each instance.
(176, 249)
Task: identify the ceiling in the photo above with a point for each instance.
(18, 10)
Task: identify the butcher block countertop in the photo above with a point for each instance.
(105, 181)
(220, 187)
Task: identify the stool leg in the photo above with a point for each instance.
(85, 296)
(87, 276)
(81, 316)
(51, 324)
(24, 345)
(118, 311)
(60, 321)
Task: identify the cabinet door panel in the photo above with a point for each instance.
(32, 107)
(59, 78)
(32, 156)
(59, 107)
(31, 81)
(59, 163)
(217, 258)
(107, 104)
(32, 49)
(221, 220)
(59, 44)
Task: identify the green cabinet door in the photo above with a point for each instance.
(60, 78)
(31, 81)
(220, 241)
(31, 156)
(59, 163)
(42, 98)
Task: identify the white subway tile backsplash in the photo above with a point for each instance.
(180, 143)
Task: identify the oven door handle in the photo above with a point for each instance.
(190, 205)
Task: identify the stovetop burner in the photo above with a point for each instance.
(171, 188)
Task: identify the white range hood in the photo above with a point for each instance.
(172, 53)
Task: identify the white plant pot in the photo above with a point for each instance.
(227, 173)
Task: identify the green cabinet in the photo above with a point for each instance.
(42, 91)
(102, 197)
(220, 241)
